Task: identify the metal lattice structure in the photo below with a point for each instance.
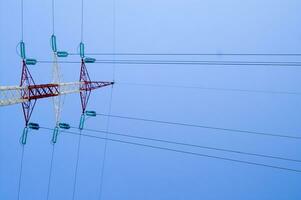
(28, 92)
(10, 95)
(56, 79)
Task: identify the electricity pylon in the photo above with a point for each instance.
(28, 92)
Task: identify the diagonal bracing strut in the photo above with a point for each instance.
(10, 95)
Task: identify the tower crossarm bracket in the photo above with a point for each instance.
(19, 94)
(11, 95)
(92, 85)
(41, 91)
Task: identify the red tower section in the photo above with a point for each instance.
(26, 81)
(88, 85)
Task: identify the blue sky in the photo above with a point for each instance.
(134, 172)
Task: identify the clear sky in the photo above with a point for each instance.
(134, 172)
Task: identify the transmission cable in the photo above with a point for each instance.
(205, 127)
(190, 63)
(55, 61)
(80, 134)
(209, 88)
(77, 162)
(193, 145)
(21, 171)
(110, 106)
(23, 146)
(50, 171)
(106, 135)
(183, 152)
(199, 62)
(192, 54)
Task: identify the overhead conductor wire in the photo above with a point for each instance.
(110, 107)
(189, 54)
(53, 144)
(23, 145)
(76, 164)
(238, 90)
(225, 130)
(50, 172)
(21, 170)
(187, 63)
(183, 151)
(195, 145)
(80, 132)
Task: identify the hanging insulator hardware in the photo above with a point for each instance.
(53, 43)
(82, 122)
(54, 48)
(22, 50)
(34, 126)
(62, 54)
(30, 61)
(31, 125)
(55, 134)
(90, 60)
(24, 136)
(90, 113)
(82, 50)
(57, 130)
(64, 126)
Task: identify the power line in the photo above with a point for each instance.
(106, 136)
(183, 62)
(50, 172)
(53, 18)
(22, 20)
(80, 134)
(192, 62)
(205, 127)
(188, 62)
(183, 152)
(53, 147)
(77, 163)
(194, 145)
(110, 106)
(21, 171)
(82, 21)
(192, 54)
(23, 147)
(105, 145)
(209, 88)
